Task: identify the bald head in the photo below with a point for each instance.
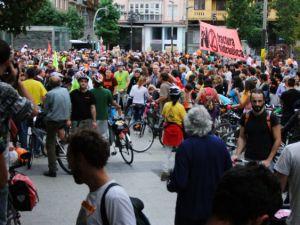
(55, 81)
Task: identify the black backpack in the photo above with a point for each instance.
(137, 204)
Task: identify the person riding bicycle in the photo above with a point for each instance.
(83, 105)
(139, 96)
(173, 113)
(260, 135)
(103, 99)
(58, 111)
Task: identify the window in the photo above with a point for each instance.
(156, 33)
(131, 7)
(221, 4)
(170, 10)
(136, 6)
(141, 6)
(199, 4)
(168, 31)
(157, 6)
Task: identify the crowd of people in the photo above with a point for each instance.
(76, 88)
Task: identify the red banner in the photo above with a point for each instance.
(221, 40)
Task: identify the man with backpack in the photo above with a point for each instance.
(260, 132)
(107, 203)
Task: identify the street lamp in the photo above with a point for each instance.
(94, 21)
(172, 28)
(132, 17)
(187, 25)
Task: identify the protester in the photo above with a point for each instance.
(200, 163)
(88, 153)
(58, 114)
(11, 104)
(259, 132)
(83, 106)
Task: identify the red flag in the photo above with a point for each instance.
(49, 49)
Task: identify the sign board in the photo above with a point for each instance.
(221, 40)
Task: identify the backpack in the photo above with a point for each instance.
(268, 119)
(137, 204)
(23, 193)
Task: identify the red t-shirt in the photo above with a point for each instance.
(110, 84)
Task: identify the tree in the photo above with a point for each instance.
(107, 24)
(287, 21)
(15, 15)
(75, 23)
(246, 16)
(48, 16)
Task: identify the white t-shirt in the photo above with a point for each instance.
(139, 94)
(289, 165)
(119, 209)
(228, 76)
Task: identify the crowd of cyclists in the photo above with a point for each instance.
(77, 88)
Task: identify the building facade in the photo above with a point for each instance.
(152, 22)
(87, 9)
(62, 5)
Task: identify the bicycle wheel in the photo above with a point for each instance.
(142, 136)
(61, 154)
(126, 150)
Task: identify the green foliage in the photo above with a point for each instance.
(75, 23)
(246, 15)
(48, 16)
(107, 23)
(15, 15)
(287, 21)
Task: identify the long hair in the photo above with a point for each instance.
(141, 81)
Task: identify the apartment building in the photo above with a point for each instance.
(152, 23)
(211, 11)
(87, 9)
(62, 5)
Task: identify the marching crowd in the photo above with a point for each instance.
(76, 88)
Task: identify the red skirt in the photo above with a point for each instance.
(173, 135)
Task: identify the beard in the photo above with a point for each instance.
(257, 109)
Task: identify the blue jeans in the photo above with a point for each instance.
(138, 110)
(3, 205)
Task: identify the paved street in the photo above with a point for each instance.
(60, 197)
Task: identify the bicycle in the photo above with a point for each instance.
(37, 132)
(13, 215)
(229, 130)
(120, 136)
(145, 131)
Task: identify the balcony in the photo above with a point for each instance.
(145, 18)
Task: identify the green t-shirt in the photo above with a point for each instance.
(121, 79)
(103, 99)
